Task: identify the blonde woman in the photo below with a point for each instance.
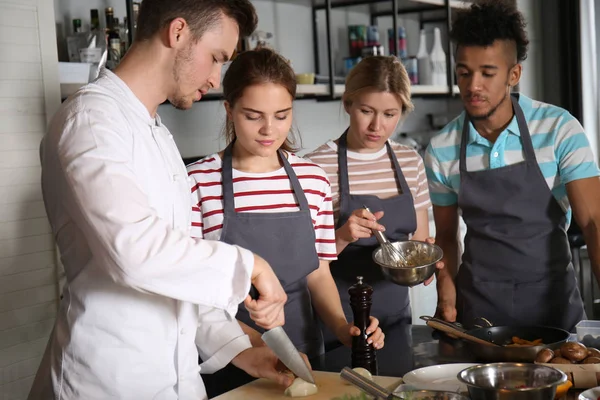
(366, 168)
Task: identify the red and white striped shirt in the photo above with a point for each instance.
(261, 192)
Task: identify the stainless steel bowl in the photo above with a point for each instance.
(514, 381)
(429, 395)
(413, 275)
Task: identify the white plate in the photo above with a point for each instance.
(437, 377)
(590, 394)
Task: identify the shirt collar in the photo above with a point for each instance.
(475, 137)
(121, 90)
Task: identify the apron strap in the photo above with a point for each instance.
(344, 180)
(523, 129)
(227, 183)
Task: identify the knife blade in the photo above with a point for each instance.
(284, 349)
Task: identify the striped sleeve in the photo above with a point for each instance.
(325, 226)
(440, 191)
(422, 200)
(573, 151)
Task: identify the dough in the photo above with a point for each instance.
(301, 388)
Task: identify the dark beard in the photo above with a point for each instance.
(489, 113)
(182, 56)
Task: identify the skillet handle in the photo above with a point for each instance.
(453, 330)
(451, 325)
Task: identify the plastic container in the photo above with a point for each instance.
(588, 333)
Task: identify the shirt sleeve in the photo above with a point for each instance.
(219, 339)
(325, 228)
(90, 157)
(440, 191)
(421, 199)
(573, 151)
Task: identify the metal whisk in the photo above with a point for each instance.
(390, 255)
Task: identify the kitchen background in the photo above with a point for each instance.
(34, 33)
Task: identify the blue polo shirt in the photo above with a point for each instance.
(561, 148)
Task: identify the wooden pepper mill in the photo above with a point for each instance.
(363, 353)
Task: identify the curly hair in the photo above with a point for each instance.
(487, 21)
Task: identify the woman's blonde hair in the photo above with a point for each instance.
(379, 74)
(255, 67)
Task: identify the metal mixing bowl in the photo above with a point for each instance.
(514, 381)
(413, 275)
(429, 395)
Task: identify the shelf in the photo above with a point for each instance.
(403, 5)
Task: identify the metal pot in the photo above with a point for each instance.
(512, 381)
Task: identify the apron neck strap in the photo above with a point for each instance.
(523, 130)
(344, 180)
(227, 175)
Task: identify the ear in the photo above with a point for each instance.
(514, 75)
(228, 110)
(347, 104)
(178, 33)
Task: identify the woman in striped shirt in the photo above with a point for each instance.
(366, 168)
(258, 194)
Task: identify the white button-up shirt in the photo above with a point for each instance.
(142, 297)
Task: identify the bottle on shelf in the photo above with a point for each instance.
(402, 53)
(95, 48)
(438, 60)
(75, 41)
(423, 61)
(113, 39)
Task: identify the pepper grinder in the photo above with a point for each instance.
(363, 353)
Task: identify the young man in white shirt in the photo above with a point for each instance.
(142, 297)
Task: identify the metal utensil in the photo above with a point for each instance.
(284, 349)
(450, 328)
(412, 275)
(514, 381)
(390, 255)
(366, 385)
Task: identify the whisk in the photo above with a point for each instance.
(390, 255)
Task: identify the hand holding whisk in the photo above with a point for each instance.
(391, 255)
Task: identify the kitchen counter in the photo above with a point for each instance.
(407, 347)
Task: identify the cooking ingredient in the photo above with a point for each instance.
(591, 360)
(518, 342)
(364, 372)
(593, 352)
(301, 388)
(561, 390)
(544, 356)
(573, 351)
(560, 360)
(361, 396)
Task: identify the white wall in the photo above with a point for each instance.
(532, 78)
(29, 94)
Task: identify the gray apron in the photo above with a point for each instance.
(287, 241)
(390, 301)
(516, 268)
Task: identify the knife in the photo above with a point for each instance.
(284, 349)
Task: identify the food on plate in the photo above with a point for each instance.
(301, 388)
(560, 360)
(518, 342)
(544, 356)
(574, 351)
(591, 360)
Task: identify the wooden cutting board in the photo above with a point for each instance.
(329, 383)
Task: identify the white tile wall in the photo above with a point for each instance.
(28, 95)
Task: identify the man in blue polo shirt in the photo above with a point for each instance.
(514, 168)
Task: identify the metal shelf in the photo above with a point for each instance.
(404, 6)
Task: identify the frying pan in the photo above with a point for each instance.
(499, 336)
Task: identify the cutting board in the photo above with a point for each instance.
(329, 383)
